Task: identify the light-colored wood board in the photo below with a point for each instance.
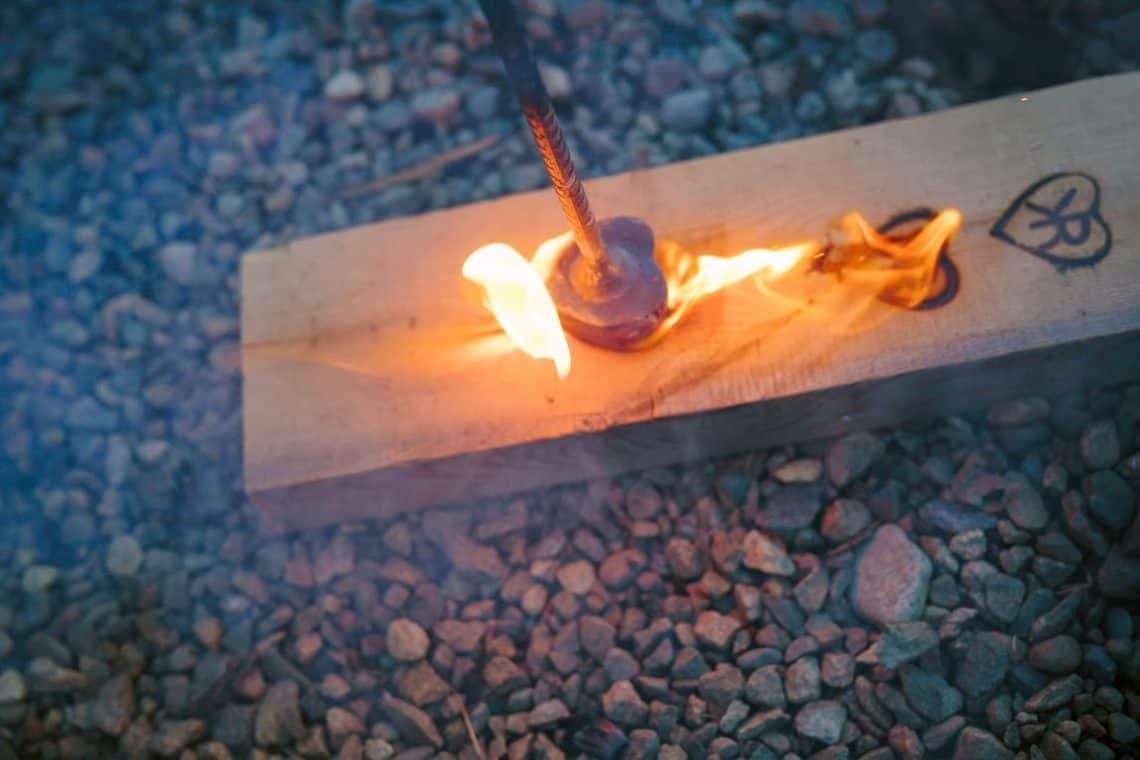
(366, 394)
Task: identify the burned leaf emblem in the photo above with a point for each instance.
(1058, 219)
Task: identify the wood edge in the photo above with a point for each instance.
(919, 395)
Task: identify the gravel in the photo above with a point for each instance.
(867, 596)
(892, 577)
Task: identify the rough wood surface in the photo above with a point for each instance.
(366, 393)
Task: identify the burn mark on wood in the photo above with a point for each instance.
(1058, 219)
(947, 279)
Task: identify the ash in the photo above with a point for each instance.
(961, 588)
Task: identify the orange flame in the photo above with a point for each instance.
(690, 278)
(900, 271)
(515, 294)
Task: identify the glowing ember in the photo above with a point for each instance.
(899, 271)
(517, 297)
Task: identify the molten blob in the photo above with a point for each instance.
(516, 296)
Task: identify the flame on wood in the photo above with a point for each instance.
(867, 265)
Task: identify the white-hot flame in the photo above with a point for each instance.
(515, 294)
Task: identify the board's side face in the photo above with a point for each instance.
(358, 345)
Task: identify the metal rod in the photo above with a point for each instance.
(510, 41)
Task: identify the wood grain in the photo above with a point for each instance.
(370, 386)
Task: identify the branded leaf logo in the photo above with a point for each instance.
(1058, 219)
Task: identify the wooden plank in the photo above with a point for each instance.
(366, 393)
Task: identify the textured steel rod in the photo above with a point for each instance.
(510, 41)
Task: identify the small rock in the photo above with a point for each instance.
(577, 577)
(502, 675)
(1056, 694)
(1119, 576)
(421, 685)
(1100, 445)
(12, 687)
(412, 723)
(124, 556)
(547, 714)
(837, 670)
(844, 519)
(930, 694)
(955, 518)
(624, 706)
(177, 260)
(596, 635)
(113, 705)
(877, 47)
(278, 719)
(1003, 596)
(1123, 729)
(721, 686)
(715, 630)
(765, 687)
(899, 644)
(344, 85)
(406, 640)
(1060, 655)
(1080, 526)
(766, 554)
(822, 721)
(791, 507)
(985, 664)
(463, 636)
(687, 110)
(848, 458)
(341, 723)
(798, 471)
(1019, 412)
(379, 85)
(970, 545)
(829, 18)
(1057, 619)
(46, 676)
(756, 12)
(842, 92)
(620, 569)
(620, 665)
(801, 681)
(173, 736)
(1023, 503)
(335, 559)
(378, 749)
(904, 741)
(761, 723)
(438, 105)
(811, 592)
(684, 560)
(1110, 500)
(1056, 545)
(976, 744)
(892, 577)
(557, 81)
(39, 578)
